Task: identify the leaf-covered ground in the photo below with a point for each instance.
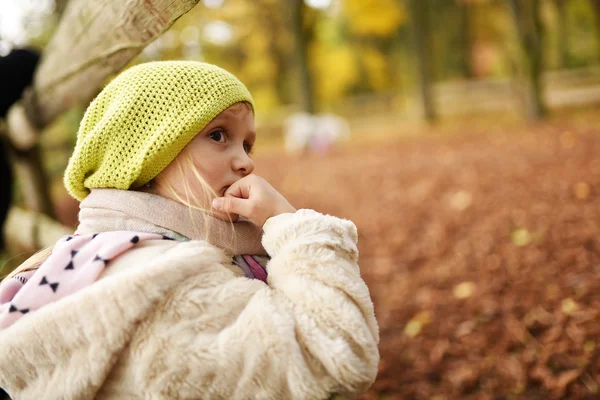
(482, 253)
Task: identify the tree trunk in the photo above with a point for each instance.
(466, 39)
(93, 41)
(307, 100)
(60, 7)
(25, 154)
(528, 23)
(28, 231)
(596, 7)
(33, 180)
(563, 37)
(422, 42)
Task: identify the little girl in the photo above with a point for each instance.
(188, 277)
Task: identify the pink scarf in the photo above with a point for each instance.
(75, 263)
(125, 218)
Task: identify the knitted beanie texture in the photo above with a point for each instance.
(143, 118)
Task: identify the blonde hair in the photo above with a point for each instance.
(37, 259)
(32, 263)
(189, 200)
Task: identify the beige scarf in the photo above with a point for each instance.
(115, 210)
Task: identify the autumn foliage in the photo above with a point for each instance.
(482, 254)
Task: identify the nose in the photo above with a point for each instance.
(242, 163)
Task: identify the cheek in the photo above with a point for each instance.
(212, 169)
(211, 163)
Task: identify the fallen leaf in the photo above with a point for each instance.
(589, 346)
(413, 328)
(415, 325)
(582, 190)
(521, 237)
(463, 290)
(568, 306)
(460, 200)
(465, 328)
(590, 382)
(566, 378)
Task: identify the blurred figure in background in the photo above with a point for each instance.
(314, 133)
(16, 73)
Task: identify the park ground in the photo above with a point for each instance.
(481, 248)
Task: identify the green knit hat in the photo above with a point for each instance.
(142, 119)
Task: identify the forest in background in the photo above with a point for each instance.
(480, 246)
(314, 54)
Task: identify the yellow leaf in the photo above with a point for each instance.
(413, 328)
(463, 290)
(568, 306)
(424, 317)
(521, 237)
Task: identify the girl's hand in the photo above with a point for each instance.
(254, 198)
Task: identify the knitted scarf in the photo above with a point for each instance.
(111, 222)
(114, 209)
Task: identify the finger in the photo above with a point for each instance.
(240, 188)
(232, 205)
(235, 190)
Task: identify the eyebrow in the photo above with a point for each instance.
(251, 134)
(217, 121)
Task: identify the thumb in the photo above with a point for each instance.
(231, 205)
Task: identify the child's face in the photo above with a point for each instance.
(220, 153)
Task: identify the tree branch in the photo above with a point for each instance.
(93, 41)
(28, 231)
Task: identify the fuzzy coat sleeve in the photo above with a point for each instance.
(308, 334)
(314, 277)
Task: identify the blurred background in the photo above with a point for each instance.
(461, 136)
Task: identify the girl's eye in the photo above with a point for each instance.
(217, 136)
(248, 148)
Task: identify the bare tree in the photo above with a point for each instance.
(419, 10)
(528, 23)
(596, 6)
(563, 37)
(466, 19)
(306, 90)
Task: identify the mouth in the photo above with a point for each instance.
(224, 190)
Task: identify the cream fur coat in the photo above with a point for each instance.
(175, 320)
